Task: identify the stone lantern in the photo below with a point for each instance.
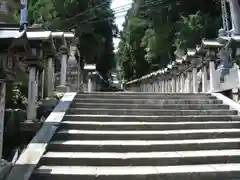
(39, 39)
(12, 46)
(90, 69)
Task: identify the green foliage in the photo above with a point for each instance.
(19, 99)
(192, 29)
(168, 25)
(95, 27)
(38, 10)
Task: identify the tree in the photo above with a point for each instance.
(94, 23)
(170, 25)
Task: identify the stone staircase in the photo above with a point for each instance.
(143, 136)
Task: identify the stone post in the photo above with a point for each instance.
(167, 89)
(190, 78)
(194, 81)
(89, 82)
(2, 112)
(173, 84)
(37, 83)
(63, 76)
(177, 84)
(188, 74)
(182, 82)
(212, 74)
(32, 93)
(42, 83)
(50, 77)
(163, 85)
(169, 85)
(194, 76)
(186, 82)
(204, 78)
(159, 85)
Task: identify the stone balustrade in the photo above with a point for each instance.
(207, 68)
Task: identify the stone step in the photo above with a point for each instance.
(146, 135)
(102, 94)
(127, 118)
(150, 106)
(145, 96)
(179, 172)
(160, 112)
(137, 125)
(143, 145)
(141, 158)
(141, 93)
(149, 101)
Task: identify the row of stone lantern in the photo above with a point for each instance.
(35, 51)
(186, 74)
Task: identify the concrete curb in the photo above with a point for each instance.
(29, 159)
(227, 101)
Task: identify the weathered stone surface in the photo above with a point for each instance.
(5, 168)
(118, 136)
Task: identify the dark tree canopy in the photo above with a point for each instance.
(154, 30)
(93, 21)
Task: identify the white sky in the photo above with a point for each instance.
(121, 18)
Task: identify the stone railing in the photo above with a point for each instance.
(207, 68)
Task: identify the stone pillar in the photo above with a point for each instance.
(37, 83)
(163, 85)
(182, 82)
(153, 87)
(89, 82)
(194, 80)
(212, 74)
(157, 86)
(177, 84)
(50, 77)
(32, 93)
(42, 83)
(190, 78)
(186, 82)
(63, 76)
(167, 86)
(173, 84)
(2, 112)
(204, 78)
(63, 70)
(160, 85)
